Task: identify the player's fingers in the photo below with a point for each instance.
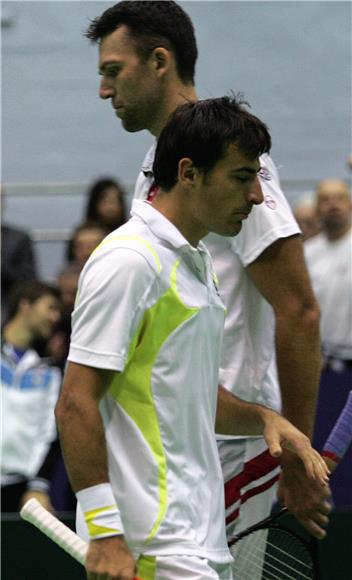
(314, 527)
(272, 439)
(314, 464)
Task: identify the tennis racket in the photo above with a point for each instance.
(56, 530)
(270, 551)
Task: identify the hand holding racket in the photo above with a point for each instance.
(56, 530)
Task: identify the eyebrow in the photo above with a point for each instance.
(246, 169)
(107, 64)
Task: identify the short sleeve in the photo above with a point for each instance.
(271, 220)
(113, 293)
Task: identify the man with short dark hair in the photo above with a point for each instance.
(140, 398)
(272, 315)
(30, 388)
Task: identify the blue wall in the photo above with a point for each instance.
(292, 61)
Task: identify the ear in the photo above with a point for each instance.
(188, 173)
(161, 60)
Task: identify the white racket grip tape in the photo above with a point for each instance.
(56, 530)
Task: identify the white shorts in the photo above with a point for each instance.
(250, 475)
(181, 568)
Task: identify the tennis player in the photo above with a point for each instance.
(140, 398)
(147, 56)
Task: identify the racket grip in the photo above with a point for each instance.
(34, 513)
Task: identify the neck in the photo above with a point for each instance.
(336, 234)
(176, 95)
(170, 204)
(17, 335)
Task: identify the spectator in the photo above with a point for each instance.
(58, 343)
(106, 203)
(306, 216)
(85, 238)
(329, 256)
(18, 262)
(30, 388)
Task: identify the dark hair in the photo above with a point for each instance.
(30, 290)
(95, 194)
(152, 24)
(202, 131)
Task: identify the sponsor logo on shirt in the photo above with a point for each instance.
(270, 202)
(264, 173)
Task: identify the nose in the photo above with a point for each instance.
(105, 91)
(255, 193)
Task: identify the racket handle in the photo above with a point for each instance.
(56, 530)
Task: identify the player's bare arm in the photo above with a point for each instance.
(83, 443)
(281, 277)
(237, 417)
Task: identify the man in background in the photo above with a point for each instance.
(147, 55)
(329, 260)
(30, 388)
(140, 400)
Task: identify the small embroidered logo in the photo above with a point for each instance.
(269, 202)
(264, 173)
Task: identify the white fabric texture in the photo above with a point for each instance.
(330, 268)
(143, 282)
(29, 392)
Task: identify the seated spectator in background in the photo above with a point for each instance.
(328, 256)
(106, 203)
(58, 343)
(329, 260)
(67, 283)
(30, 388)
(305, 212)
(18, 261)
(85, 238)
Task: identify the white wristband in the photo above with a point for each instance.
(100, 511)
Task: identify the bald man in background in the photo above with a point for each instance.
(329, 260)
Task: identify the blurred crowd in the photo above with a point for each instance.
(36, 324)
(36, 327)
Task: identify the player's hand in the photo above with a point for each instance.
(330, 463)
(41, 496)
(306, 498)
(110, 559)
(280, 434)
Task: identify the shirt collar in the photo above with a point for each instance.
(147, 165)
(163, 228)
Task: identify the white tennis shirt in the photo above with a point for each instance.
(248, 363)
(148, 307)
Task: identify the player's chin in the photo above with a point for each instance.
(233, 229)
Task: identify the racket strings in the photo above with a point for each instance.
(253, 553)
(271, 568)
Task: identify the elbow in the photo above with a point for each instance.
(301, 315)
(310, 315)
(64, 410)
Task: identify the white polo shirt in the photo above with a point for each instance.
(330, 267)
(248, 363)
(148, 307)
